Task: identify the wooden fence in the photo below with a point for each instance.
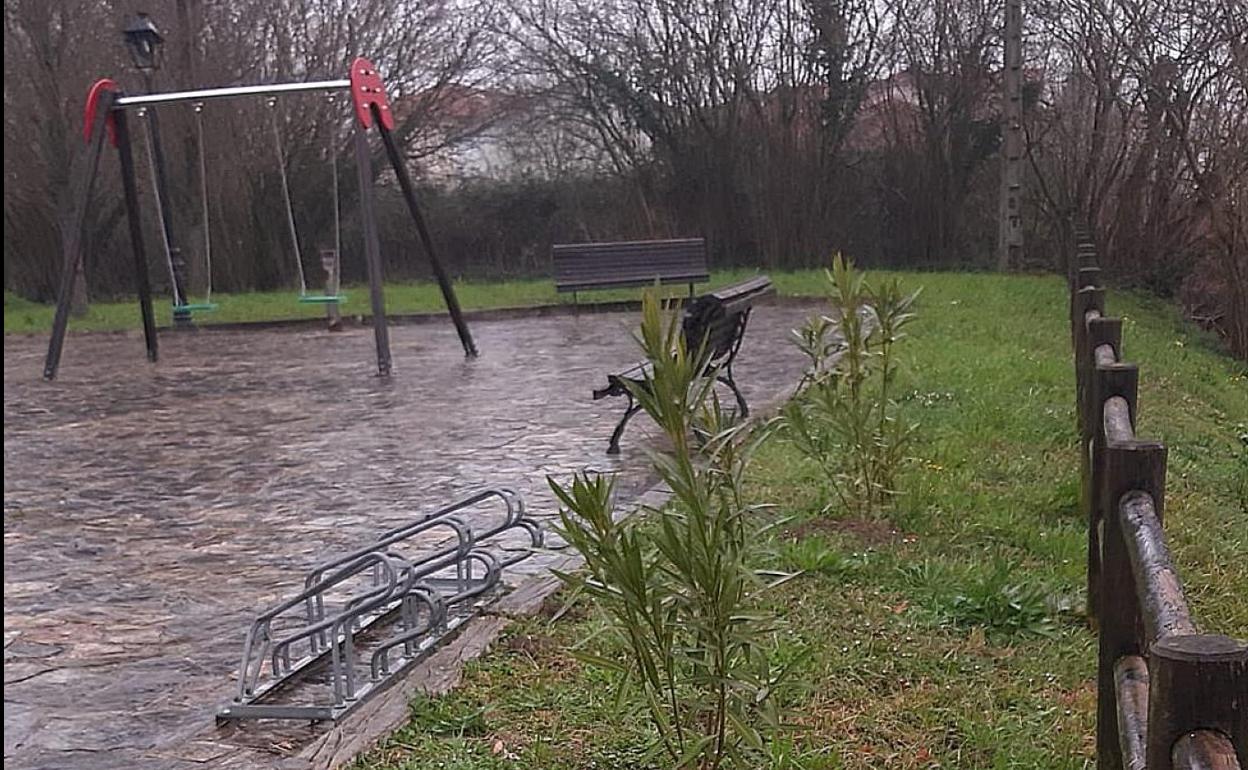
(1167, 695)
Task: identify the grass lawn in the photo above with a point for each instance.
(947, 633)
(23, 316)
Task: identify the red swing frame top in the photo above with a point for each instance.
(367, 91)
(364, 82)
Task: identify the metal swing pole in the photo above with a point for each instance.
(368, 96)
(101, 98)
(409, 195)
(130, 190)
(372, 251)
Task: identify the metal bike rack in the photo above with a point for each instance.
(364, 618)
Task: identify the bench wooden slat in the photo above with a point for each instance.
(583, 266)
(632, 283)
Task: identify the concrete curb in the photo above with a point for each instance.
(409, 319)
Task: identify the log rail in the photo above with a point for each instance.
(1168, 696)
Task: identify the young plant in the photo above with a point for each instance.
(677, 585)
(843, 415)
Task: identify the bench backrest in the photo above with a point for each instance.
(581, 266)
(719, 318)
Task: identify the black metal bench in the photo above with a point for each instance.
(714, 323)
(584, 266)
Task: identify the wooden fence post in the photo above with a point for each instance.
(1083, 301)
(1098, 331)
(1116, 379)
(1085, 256)
(1197, 682)
(1105, 331)
(1124, 467)
(1085, 278)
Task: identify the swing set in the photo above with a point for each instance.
(105, 115)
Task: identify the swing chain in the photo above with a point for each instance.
(198, 108)
(290, 208)
(167, 247)
(332, 152)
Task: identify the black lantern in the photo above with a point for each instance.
(145, 42)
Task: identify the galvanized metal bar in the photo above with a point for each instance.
(391, 609)
(262, 711)
(226, 92)
(461, 535)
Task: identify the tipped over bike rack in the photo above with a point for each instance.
(364, 618)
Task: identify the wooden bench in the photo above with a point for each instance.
(584, 266)
(713, 323)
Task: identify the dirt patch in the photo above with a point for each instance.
(532, 645)
(866, 531)
(556, 606)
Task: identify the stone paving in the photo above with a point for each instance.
(149, 512)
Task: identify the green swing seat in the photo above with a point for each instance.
(322, 299)
(196, 307)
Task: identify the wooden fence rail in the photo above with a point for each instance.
(1168, 696)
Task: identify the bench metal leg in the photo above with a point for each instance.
(728, 380)
(633, 408)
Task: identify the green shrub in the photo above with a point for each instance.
(843, 416)
(676, 585)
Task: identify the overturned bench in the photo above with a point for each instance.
(714, 323)
(623, 264)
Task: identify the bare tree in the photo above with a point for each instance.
(54, 49)
(1143, 135)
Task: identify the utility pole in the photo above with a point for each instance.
(1010, 217)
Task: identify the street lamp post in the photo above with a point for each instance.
(146, 46)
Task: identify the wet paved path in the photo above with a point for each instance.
(149, 512)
